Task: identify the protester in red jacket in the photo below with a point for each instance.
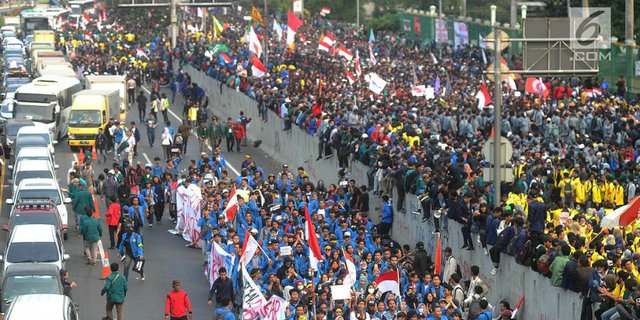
(177, 304)
(113, 219)
(238, 132)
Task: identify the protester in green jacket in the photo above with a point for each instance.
(91, 231)
(558, 264)
(115, 286)
(82, 199)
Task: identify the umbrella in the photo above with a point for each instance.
(622, 216)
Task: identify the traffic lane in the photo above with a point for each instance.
(234, 159)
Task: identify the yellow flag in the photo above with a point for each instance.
(217, 26)
(255, 15)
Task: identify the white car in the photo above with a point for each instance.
(42, 306)
(37, 131)
(29, 169)
(34, 243)
(43, 188)
(34, 153)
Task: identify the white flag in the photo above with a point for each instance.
(254, 43)
(252, 298)
(249, 249)
(376, 84)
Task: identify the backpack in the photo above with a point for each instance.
(501, 240)
(458, 271)
(523, 256)
(220, 315)
(544, 263)
(513, 241)
(474, 309)
(568, 190)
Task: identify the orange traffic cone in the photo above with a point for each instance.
(106, 269)
(94, 154)
(81, 156)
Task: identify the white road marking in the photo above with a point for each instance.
(146, 157)
(192, 133)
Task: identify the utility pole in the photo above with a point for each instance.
(628, 34)
(497, 109)
(514, 13)
(265, 44)
(358, 14)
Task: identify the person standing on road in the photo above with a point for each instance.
(101, 145)
(132, 251)
(131, 90)
(130, 146)
(113, 219)
(184, 130)
(177, 304)
(222, 288)
(82, 199)
(118, 137)
(136, 135)
(239, 133)
(142, 105)
(115, 286)
(91, 230)
(167, 140)
(164, 107)
(228, 135)
(217, 132)
(204, 134)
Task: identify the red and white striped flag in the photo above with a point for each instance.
(303, 38)
(257, 68)
(351, 277)
(315, 254)
(324, 46)
(358, 68)
(388, 281)
(325, 11)
(249, 248)
(254, 43)
(102, 15)
(515, 310)
(349, 76)
(232, 207)
(86, 18)
(328, 39)
(345, 53)
(293, 24)
(484, 99)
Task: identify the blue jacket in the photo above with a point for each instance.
(136, 245)
(387, 213)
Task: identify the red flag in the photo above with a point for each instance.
(345, 53)
(293, 24)
(257, 68)
(315, 254)
(438, 257)
(316, 109)
(232, 206)
(484, 99)
(537, 87)
(388, 281)
(358, 68)
(349, 76)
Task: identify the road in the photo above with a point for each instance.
(166, 254)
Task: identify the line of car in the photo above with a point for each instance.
(34, 255)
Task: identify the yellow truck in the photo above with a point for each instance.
(45, 36)
(90, 111)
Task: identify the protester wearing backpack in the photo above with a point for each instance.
(224, 312)
(504, 238)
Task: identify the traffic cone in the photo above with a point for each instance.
(94, 154)
(106, 269)
(81, 156)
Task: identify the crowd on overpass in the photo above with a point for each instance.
(575, 161)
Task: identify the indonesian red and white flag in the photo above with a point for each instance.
(324, 47)
(86, 18)
(102, 14)
(232, 207)
(514, 314)
(226, 58)
(303, 38)
(358, 67)
(254, 43)
(345, 53)
(293, 24)
(257, 68)
(484, 99)
(328, 39)
(315, 254)
(349, 76)
(325, 11)
(140, 53)
(351, 277)
(249, 248)
(388, 281)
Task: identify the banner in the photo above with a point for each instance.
(460, 34)
(218, 259)
(188, 212)
(274, 309)
(418, 91)
(340, 292)
(442, 34)
(297, 6)
(252, 298)
(376, 84)
(406, 24)
(417, 26)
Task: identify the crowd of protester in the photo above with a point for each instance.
(575, 160)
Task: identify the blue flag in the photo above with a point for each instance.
(372, 38)
(437, 86)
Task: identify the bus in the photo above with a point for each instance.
(31, 20)
(57, 16)
(81, 6)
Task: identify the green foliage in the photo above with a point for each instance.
(389, 21)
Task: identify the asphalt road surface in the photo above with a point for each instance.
(166, 254)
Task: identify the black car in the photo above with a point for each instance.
(30, 279)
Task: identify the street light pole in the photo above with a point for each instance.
(497, 109)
